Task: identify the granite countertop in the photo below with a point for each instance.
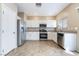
(36, 29)
(67, 31)
(49, 29)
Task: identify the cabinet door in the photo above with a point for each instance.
(32, 36)
(54, 37)
(77, 42)
(51, 23)
(32, 23)
(70, 41)
(50, 35)
(8, 29)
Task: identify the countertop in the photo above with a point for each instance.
(36, 29)
(67, 31)
(49, 29)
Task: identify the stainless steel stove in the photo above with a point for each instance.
(43, 32)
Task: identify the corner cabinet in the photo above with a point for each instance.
(55, 37)
(52, 36)
(8, 29)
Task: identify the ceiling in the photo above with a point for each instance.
(46, 9)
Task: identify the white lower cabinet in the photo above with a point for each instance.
(77, 42)
(55, 37)
(52, 36)
(70, 41)
(32, 36)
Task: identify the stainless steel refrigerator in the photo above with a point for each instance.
(21, 33)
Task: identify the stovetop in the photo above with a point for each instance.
(42, 30)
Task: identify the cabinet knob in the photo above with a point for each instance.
(2, 31)
(13, 32)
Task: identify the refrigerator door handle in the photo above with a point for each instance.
(13, 32)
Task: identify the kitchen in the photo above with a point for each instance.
(37, 29)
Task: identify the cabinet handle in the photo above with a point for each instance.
(2, 31)
(13, 32)
(3, 11)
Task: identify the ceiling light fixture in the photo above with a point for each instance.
(38, 4)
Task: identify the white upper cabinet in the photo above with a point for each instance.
(62, 23)
(32, 23)
(35, 23)
(51, 23)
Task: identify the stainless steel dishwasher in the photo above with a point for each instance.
(60, 39)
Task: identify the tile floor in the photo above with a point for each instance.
(40, 48)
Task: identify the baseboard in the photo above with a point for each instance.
(9, 52)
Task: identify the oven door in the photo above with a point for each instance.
(43, 36)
